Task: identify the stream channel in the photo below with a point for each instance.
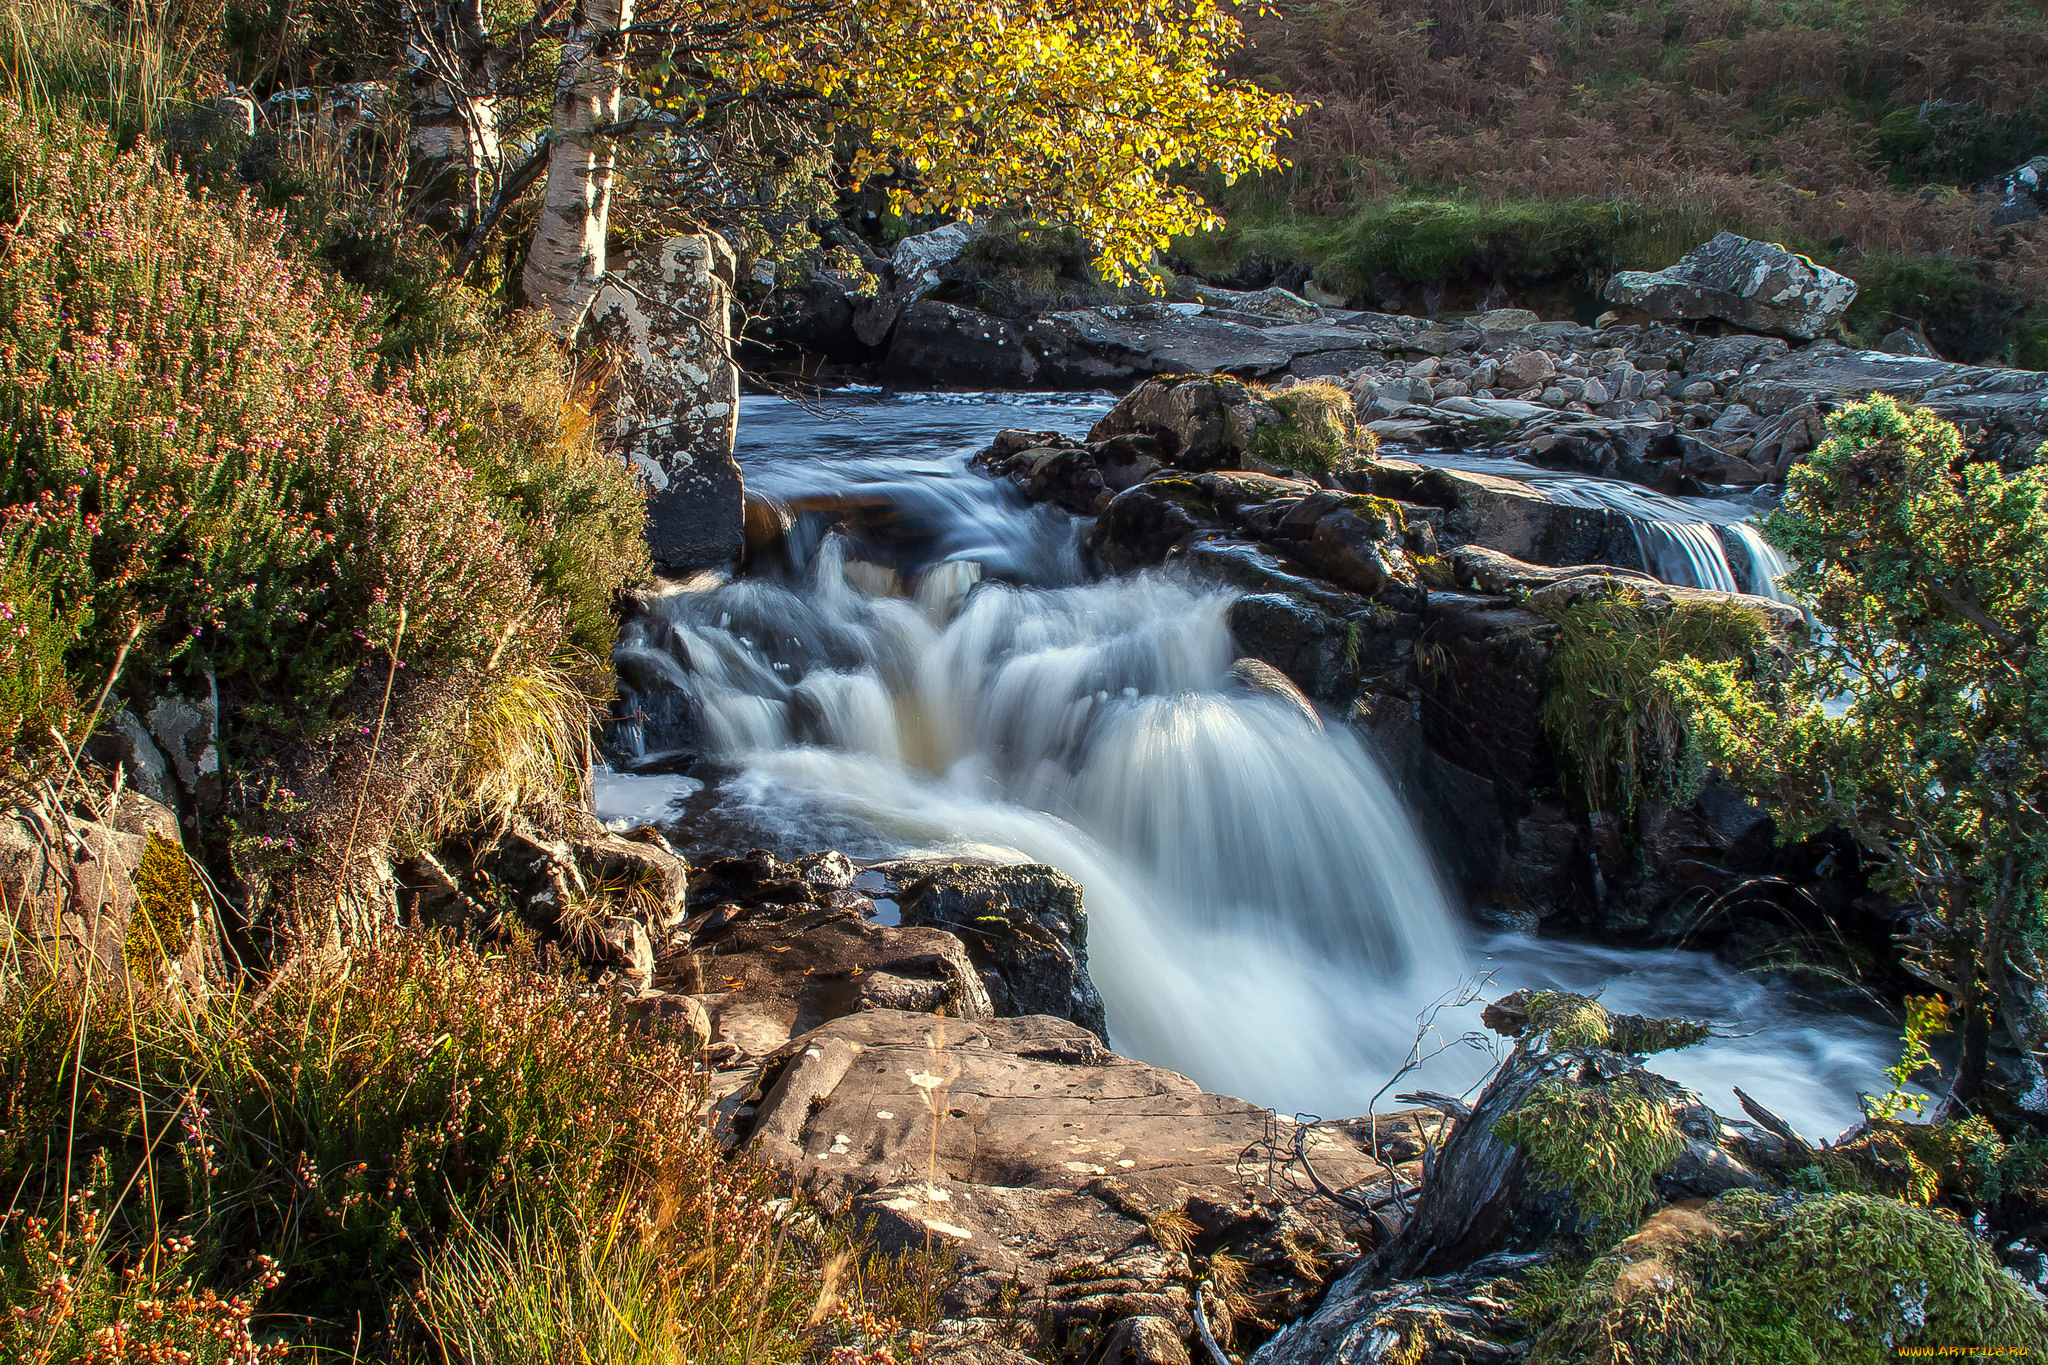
(932, 670)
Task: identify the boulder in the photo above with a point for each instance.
(115, 902)
(1024, 927)
(1200, 424)
(1754, 285)
(665, 314)
(915, 267)
(1088, 1186)
(941, 344)
(1509, 516)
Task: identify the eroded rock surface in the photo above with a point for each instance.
(1078, 1188)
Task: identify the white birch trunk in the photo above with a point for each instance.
(454, 134)
(567, 259)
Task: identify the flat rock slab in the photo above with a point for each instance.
(1054, 1158)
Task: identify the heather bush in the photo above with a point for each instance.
(216, 463)
(436, 1144)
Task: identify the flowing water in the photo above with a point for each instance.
(930, 670)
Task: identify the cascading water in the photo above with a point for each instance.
(1264, 916)
(1681, 539)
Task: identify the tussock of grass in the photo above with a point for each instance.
(1318, 432)
(1617, 736)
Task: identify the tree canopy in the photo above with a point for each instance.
(1918, 721)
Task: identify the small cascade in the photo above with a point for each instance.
(1767, 563)
(1678, 545)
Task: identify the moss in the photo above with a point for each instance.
(1574, 1022)
(1843, 1279)
(1617, 735)
(167, 896)
(1318, 433)
(1603, 1142)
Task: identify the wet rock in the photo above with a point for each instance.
(1755, 285)
(1140, 526)
(1508, 516)
(1025, 930)
(675, 400)
(1082, 1182)
(1257, 678)
(940, 344)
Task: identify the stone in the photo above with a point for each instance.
(1024, 926)
(666, 315)
(1525, 369)
(915, 266)
(1201, 424)
(114, 901)
(189, 734)
(1144, 1341)
(1755, 285)
(1504, 320)
(939, 344)
(1699, 391)
(1507, 515)
(1907, 341)
(1595, 393)
(1732, 355)
(1039, 1158)
(1555, 397)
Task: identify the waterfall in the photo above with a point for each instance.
(1767, 564)
(1677, 545)
(921, 669)
(1263, 914)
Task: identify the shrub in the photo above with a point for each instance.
(367, 1152)
(199, 447)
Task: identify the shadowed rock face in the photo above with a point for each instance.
(1024, 928)
(1755, 285)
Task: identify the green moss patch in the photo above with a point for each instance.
(1604, 1142)
(167, 897)
(1844, 1279)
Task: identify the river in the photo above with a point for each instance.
(931, 670)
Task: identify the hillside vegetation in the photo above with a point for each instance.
(1519, 150)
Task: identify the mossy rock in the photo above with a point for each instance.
(1842, 1279)
(167, 900)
